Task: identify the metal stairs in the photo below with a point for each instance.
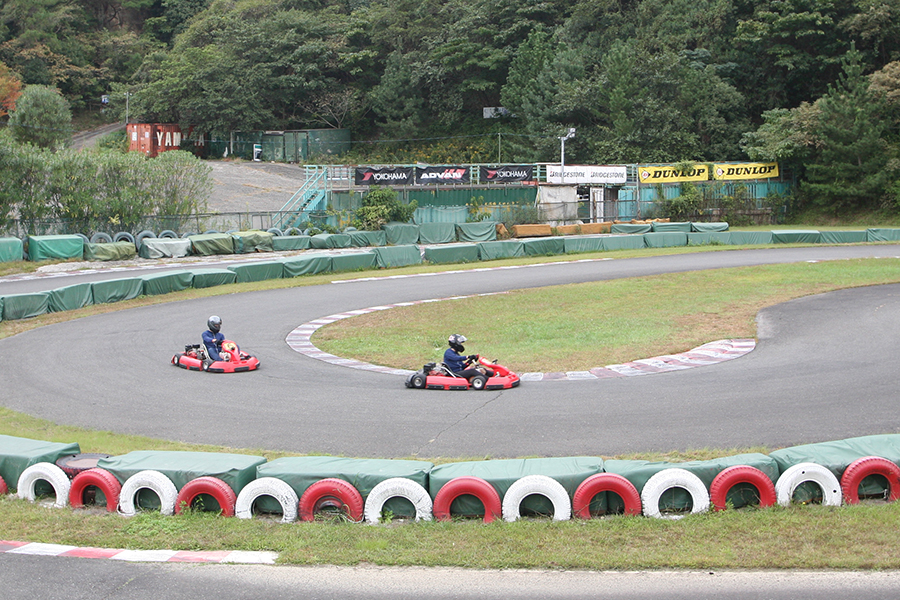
(313, 195)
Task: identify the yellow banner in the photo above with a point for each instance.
(671, 174)
(745, 171)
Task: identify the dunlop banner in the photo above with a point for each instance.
(384, 176)
(745, 171)
(671, 174)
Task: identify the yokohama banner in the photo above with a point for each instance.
(506, 173)
(383, 176)
(427, 175)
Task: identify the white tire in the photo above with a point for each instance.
(667, 479)
(151, 480)
(537, 484)
(794, 476)
(393, 488)
(267, 486)
(50, 473)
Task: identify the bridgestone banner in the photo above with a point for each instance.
(434, 175)
(745, 171)
(506, 173)
(671, 174)
(384, 176)
(586, 174)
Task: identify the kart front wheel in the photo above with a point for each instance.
(478, 382)
(418, 381)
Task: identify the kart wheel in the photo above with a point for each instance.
(478, 382)
(418, 381)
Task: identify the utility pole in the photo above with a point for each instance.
(562, 152)
(127, 96)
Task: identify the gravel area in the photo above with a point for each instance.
(243, 186)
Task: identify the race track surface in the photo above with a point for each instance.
(823, 369)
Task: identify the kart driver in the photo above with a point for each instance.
(213, 338)
(456, 362)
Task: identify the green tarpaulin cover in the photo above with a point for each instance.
(682, 227)
(665, 239)
(631, 228)
(401, 234)
(699, 239)
(583, 243)
(484, 231)
(544, 246)
(307, 264)
(71, 297)
(17, 454)
(208, 244)
(246, 242)
(237, 470)
(204, 278)
(437, 233)
(284, 243)
(364, 239)
(882, 235)
(329, 240)
(500, 249)
(258, 271)
(398, 256)
(623, 242)
(44, 247)
(167, 281)
(109, 251)
(843, 237)
(749, 238)
(11, 249)
(164, 248)
(708, 227)
(25, 306)
(116, 290)
(353, 261)
(799, 236)
(452, 253)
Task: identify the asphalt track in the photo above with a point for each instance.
(823, 370)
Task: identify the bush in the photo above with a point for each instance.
(381, 206)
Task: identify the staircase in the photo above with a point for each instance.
(313, 195)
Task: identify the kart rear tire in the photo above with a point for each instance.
(418, 381)
(478, 382)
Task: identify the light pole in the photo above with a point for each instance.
(127, 96)
(562, 153)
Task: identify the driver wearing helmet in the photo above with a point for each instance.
(213, 338)
(456, 361)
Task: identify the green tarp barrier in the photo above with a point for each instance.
(365, 239)
(882, 235)
(71, 297)
(208, 244)
(708, 227)
(483, 231)
(665, 239)
(306, 265)
(401, 234)
(623, 242)
(750, 238)
(258, 271)
(329, 240)
(452, 253)
(24, 306)
(437, 233)
(11, 249)
(164, 248)
(284, 243)
(679, 227)
(843, 237)
(353, 261)
(116, 290)
(699, 239)
(109, 251)
(544, 246)
(501, 474)
(246, 242)
(1, 308)
(631, 228)
(300, 472)
(500, 249)
(204, 278)
(44, 247)
(17, 454)
(398, 256)
(583, 243)
(167, 281)
(799, 236)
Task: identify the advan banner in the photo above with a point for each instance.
(383, 176)
(586, 175)
(432, 175)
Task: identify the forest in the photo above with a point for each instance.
(813, 84)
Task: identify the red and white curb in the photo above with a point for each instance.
(711, 353)
(237, 556)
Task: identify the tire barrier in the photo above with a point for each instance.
(797, 474)
(154, 481)
(101, 238)
(101, 479)
(331, 493)
(210, 486)
(864, 467)
(275, 231)
(738, 474)
(44, 472)
(673, 478)
(77, 463)
(467, 485)
(3, 488)
(605, 482)
(124, 236)
(267, 486)
(168, 233)
(397, 487)
(541, 485)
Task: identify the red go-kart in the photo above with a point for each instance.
(194, 358)
(438, 377)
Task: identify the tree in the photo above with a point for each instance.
(10, 90)
(42, 117)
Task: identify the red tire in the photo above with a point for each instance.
(101, 479)
(3, 488)
(605, 482)
(472, 486)
(331, 493)
(212, 486)
(732, 476)
(862, 468)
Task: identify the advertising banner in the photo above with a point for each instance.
(383, 176)
(431, 175)
(671, 174)
(745, 171)
(506, 173)
(585, 175)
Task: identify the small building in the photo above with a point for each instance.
(153, 138)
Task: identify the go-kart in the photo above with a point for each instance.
(434, 376)
(194, 358)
